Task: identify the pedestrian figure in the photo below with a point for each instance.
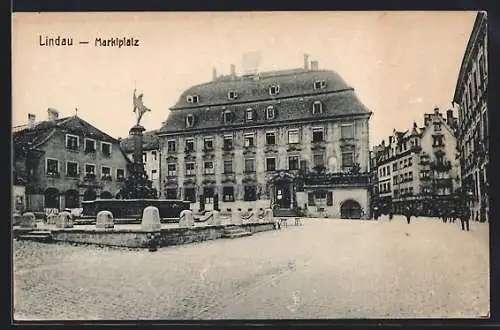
(390, 215)
(464, 218)
(408, 214)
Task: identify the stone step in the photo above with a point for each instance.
(236, 235)
(34, 237)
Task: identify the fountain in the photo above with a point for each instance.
(138, 192)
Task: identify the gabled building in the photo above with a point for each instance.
(471, 96)
(292, 139)
(62, 161)
(420, 166)
(151, 156)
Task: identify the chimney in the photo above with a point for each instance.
(214, 74)
(31, 120)
(306, 62)
(53, 114)
(314, 65)
(233, 70)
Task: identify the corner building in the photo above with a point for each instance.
(294, 140)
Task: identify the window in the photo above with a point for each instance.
(227, 116)
(293, 136)
(347, 131)
(485, 126)
(89, 145)
(249, 114)
(411, 191)
(228, 194)
(329, 198)
(317, 107)
(154, 174)
(319, 160)
(394, 166)
(319, 84)
(270, 114)
(310, 199)
(250, 193)
(72, 169)
(189, 121)
(172, 169)
(190, 170)
(274, 90)
(89, 169)
(437, 141)
(347, 159)
(318, 135)
(231, 95)
(228, 142)
(208, 194)
(249, 165)
(192, 99)
(388, 186)
(270, 138)
(120, 173)
(208, 143)
(189, 145)
(106, 149)
(106, 173)
(481, 67)
(171, 193)
(410, 176)
(249, 139)
(270, 164)
(293, 162)
(228, 166)
(72, 142)
(409, 161)
(153, 153)
(209, 168)
(171, 146)
(190, 194)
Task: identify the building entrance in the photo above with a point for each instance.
(283, 195)
(282, 191)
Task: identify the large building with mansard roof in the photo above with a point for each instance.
(295, 140)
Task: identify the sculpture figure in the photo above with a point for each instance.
(139, 108)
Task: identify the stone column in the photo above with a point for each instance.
(136, 133)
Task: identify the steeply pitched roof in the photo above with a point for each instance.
(42, 131)
(150, 142)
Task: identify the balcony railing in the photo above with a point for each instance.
(337, 179)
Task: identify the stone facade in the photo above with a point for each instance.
(419, 166)
(236, 152)
(65, 161)
(471, 97)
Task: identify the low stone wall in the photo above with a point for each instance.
(136, 238)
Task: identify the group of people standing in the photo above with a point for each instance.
(447, 215)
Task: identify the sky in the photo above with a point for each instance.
(401, 64)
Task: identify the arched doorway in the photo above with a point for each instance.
(106, 195)
(350, 209)
(51, 197)
(72, 199)
(89, 195)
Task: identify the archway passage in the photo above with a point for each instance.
(106, 195)
(51, 196)
(282, 190)
(89, 195)
(72, 199)
(350, 209)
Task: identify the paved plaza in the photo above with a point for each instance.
(323, 269)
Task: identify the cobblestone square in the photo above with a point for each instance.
(323, 269)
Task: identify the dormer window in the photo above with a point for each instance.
(232, 95)
(249, 115)
(274, 90)
(189, 121)
(319, 84)
(270, 113)
(317, 107)
(192, 99)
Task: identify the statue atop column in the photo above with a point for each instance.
(139, 108)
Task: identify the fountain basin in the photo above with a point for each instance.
(133, 208)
